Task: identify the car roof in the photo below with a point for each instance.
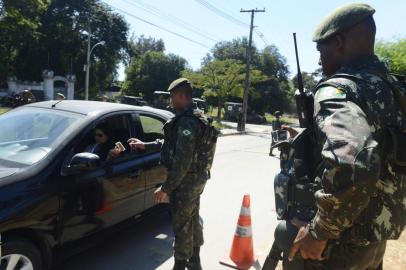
(96, 107)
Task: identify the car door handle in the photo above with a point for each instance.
(135, 174)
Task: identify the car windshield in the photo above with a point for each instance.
(28, 135)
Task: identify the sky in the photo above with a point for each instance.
(203, 27)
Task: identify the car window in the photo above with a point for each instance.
(153, 127)
(115, 128)
(28, 135)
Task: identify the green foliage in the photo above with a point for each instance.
(152, 71)
(221, 79)
(139, 46)
(48, 34)
(394, 53)
(270, 89)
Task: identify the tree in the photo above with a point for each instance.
(19, 22)
(153, 71)
(270, 93)
(50, 35)
(222, 79)
(139, 46)
(235, 49)
(393, 53)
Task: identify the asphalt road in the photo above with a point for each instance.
(242, 165)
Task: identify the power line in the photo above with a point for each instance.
(177, 21)
(221, 13)
(160, 27)
(230, 18)
(259, 3)
(262, 36)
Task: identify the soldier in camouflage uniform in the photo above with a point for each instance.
(185, 180)
(363, 200)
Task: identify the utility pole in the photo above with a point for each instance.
(243, 119)
(88, 64)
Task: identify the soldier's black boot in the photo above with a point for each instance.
(194, 261)
(179, 265)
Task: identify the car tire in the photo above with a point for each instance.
(21, 253)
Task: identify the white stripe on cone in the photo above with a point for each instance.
(243, 231)
(245, 211)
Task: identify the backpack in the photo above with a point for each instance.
(206, 147)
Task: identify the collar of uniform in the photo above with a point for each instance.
(186, 110)
(362, 63)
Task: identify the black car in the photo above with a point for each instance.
(52, 192)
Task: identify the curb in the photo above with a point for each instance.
(233, 134)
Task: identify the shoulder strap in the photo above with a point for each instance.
(399, 96)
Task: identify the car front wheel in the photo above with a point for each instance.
(20, 255)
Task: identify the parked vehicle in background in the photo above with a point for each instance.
(161, 100)
(131, 100)
(201, 104)
(53, 192)
(232, 111)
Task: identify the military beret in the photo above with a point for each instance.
(341, 19)
(179, 83)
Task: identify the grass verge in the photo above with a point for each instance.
(3, 110)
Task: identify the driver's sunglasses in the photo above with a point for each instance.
(100, 135)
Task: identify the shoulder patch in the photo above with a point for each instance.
(329, 92)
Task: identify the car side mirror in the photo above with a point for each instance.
(82, 162)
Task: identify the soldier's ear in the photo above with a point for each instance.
(339, 42)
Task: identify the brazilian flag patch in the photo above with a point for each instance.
(186, 132)
(329, 92)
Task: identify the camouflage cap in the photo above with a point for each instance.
(178, 83)
(341, 19)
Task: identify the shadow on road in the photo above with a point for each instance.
(143, 244)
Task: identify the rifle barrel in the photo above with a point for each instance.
(299, 73)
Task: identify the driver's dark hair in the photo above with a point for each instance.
(105, 128)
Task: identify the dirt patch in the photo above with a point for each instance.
(395, 256)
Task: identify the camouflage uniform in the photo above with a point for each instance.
(185, 181)
(360, 203)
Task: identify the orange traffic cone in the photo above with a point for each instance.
(242, 250)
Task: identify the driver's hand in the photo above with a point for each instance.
(115, 152)
(292, 132)
(136, 144)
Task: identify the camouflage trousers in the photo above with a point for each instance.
(344, 257)
(186, 221)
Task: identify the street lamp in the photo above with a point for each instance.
(89, 52)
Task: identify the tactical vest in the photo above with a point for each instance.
(294, 186)
(204, 149)
(390, 133)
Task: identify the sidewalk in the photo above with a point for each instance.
(249, 128)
